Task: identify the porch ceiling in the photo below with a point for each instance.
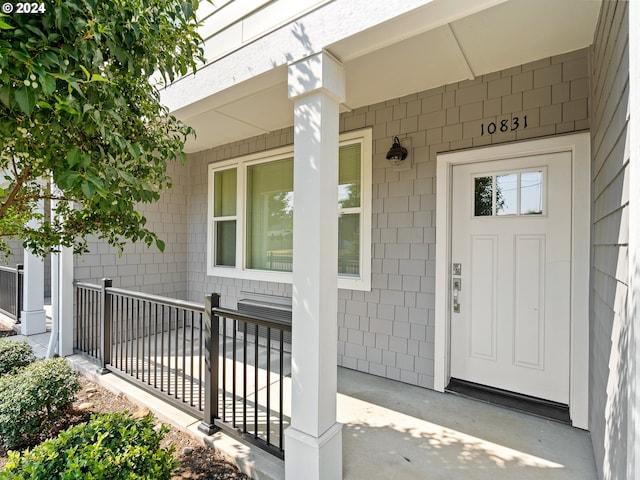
(429, 47)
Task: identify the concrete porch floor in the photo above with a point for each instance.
(394, 430)
(397, 431)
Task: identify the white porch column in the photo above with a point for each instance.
(61, 341)
(61, 296)
(65, 302)
(313, 442)
(33, 319)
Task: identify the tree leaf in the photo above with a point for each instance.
(86, 72)
(48, 84)
(5, 95)
(85, 160)
(26, 99)
(74, 156)
(88, 189)
(35, 30)
(20, 56)
(98, 78)
(187, 8)
(51, 57)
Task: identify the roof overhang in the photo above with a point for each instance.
(427, 45)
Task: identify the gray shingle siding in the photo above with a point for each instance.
(16, 256)
(141, 268)
(610, 168)
(390, 331)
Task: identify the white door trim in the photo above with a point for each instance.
(579, 145)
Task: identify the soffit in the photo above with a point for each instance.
(410, 53)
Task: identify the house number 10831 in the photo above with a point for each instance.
(503, 126)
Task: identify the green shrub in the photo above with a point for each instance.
(33, 397)
(14, 355)
(110, 446)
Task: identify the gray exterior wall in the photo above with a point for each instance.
(609, 333)
(389, 331)
(139, 267)
(16, 256)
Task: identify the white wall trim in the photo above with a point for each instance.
(579, 146)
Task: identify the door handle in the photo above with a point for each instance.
(457, 286)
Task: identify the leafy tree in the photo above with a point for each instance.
(484, 197)
(79, 111)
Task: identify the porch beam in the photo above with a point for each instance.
(313, 442)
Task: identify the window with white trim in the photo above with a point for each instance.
(250, 211)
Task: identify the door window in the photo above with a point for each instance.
(509, 194)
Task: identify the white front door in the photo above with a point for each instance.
(511, 274)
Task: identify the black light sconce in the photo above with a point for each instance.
(397, 153)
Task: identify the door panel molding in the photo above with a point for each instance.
(579, 147)
(482, 311)
(528, 343)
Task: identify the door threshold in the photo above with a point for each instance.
(538, 407)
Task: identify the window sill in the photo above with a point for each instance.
(344, 282)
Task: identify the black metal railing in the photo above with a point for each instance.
(252, 375)
(193, 355)
(156, 341)
(87, 323)
(11, 288)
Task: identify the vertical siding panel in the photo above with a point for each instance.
(609, 271)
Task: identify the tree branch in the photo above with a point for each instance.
(15, 168)
(20, 179)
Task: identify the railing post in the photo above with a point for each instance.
(211, 359)
(19, 287)
(105, 326)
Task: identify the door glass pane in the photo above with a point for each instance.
(531, 193)
(349, 176)
(226, 243)
(483, 196)
(224, 188)
(349, 244)
(270, 216)
(507, 194)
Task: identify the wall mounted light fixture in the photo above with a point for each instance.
(397, 153)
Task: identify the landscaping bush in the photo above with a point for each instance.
(14, 355)
(110, 446)
(33, 397)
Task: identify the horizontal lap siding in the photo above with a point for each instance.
(610, 190)
(389, 331)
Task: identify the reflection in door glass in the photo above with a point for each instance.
(507, 194)
(531, 193)
(483, 196)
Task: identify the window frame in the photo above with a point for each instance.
(351, 282)
(222, 218)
